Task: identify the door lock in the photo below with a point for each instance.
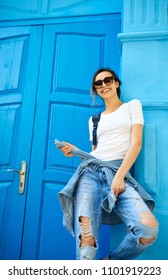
(22, 174)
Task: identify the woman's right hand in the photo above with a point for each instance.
(67, 149)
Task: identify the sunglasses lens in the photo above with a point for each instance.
(98, 83)
(107, 81)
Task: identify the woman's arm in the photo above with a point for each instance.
(136, 143)
(93, 148)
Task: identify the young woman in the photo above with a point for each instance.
(102, 189)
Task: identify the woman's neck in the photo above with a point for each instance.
(112, 105)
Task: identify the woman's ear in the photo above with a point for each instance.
(117, 84)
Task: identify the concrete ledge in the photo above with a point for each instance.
(143, 36)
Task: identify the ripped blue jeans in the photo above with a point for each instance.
(129, 207)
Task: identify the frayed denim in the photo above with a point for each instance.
(129, 206)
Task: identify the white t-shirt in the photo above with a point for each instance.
(114, 131)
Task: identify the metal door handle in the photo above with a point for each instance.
(22, 174)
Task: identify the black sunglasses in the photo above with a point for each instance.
(107, 80)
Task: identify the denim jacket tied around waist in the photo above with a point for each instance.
(110, 168)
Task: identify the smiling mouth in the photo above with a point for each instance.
(105, 90)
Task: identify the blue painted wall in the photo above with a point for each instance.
(144, 47)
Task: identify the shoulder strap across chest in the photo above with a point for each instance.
(95, 120)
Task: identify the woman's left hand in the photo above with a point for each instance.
(118, 185)
(67, 149)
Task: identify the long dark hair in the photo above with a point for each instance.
(116, 78)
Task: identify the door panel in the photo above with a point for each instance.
(70, 55)
(17, 102)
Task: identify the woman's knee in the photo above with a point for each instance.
(149, 221)
(86, 237)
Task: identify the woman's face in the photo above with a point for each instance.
(105, 85)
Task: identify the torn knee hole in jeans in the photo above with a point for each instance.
(148, 219)
(86, 237)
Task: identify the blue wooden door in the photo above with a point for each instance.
(56, 62)
(19, 63)
(71, 52)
